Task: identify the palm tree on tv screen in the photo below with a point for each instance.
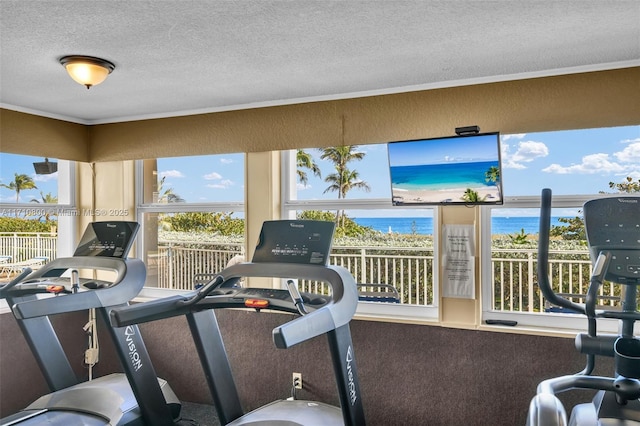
(493, 175)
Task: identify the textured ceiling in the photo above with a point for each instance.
(185, 57)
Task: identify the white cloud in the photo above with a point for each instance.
(171, 173)
(591, 164)
(45, 178)
(302, 186)
(631, 140)
(223, 184)
(526, 152)
(515, 136)
(212, 176)
(511, 165)
(630, 154)
(226, 160)
(622, 163)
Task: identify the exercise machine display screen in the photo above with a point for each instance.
(295, 241)
(107, 239)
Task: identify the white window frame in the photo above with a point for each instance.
(65, 209)
(183, 207)
(290, 205)
(548, 320)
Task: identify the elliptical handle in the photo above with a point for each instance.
(543, 256)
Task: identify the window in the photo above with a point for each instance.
(32, 181)
(377, 242)
(191, 210)
(577, 165)
(38, 208)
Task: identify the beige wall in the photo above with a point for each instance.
(589, 100)
(105, 191)
(28, 134)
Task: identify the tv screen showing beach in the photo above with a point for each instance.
(449, 170)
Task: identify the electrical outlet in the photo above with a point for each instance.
(297, 380)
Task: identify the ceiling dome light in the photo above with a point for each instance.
(87, 70)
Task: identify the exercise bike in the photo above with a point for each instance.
(612, 227)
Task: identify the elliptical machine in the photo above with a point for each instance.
(613, 233)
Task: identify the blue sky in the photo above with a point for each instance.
(569, 162)
(208, 178)
(21, 164)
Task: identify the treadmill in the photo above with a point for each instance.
(287, 249)
(136, 397)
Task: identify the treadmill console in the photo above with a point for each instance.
(295, 241)
(107, 239)
(613, 225)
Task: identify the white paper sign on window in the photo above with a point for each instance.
(458, 261)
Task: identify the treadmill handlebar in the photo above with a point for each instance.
(149, 311)
(4, 290)
(130, 278)
(216, 282)
(543, 257)
(338, 311)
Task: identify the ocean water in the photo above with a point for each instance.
(424, 226)
(441, 176)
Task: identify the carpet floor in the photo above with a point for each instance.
(198, 415)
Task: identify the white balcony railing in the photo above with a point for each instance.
(23, 246)
(409, 270)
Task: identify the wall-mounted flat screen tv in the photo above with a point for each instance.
(463, 170)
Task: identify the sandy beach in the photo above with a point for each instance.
(453, 195)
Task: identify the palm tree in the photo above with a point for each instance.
(20, 182)
(167, 195)
(341, 155)
(493, 175)
(47, 199)
(343, 180)
(471, 196)
(304, 160)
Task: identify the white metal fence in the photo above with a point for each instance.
(23, 246)
(409, 270)
(177, 264)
